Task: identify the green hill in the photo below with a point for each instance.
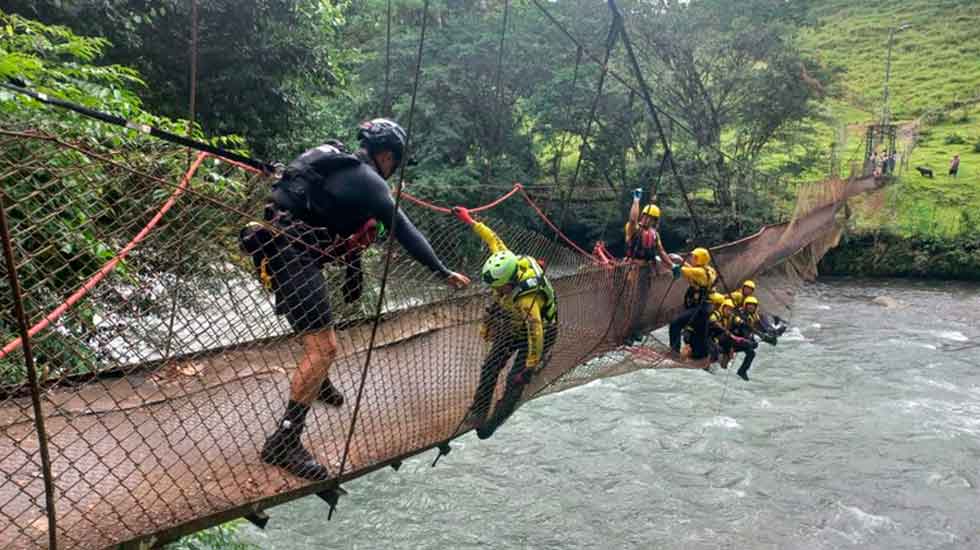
(935, 95)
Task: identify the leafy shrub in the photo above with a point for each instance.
(954, 139)
(71, 214)
(221, 537)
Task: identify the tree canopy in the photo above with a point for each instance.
(286, 75)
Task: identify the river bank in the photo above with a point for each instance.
(884, 254)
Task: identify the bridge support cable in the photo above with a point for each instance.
(675, 121)
(191, 116)
(32, 377)
(615, 27)
(386, 101)
(567, 101)
(499, 97)
(645, 94)
(386, 270)
(183, 141)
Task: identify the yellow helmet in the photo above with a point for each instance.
(717, 298)
(701, 256)
(751, 300)
(729, 303)
(651, 210)
(749, 283)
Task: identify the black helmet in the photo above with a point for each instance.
(382, 134)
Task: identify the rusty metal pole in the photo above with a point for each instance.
(42, 437)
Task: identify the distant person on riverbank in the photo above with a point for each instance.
(327, 208)
(954, 166)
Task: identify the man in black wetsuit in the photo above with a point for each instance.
(324, 209)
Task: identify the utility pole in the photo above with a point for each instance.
(885, 111)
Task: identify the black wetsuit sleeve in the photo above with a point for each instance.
(376, 198)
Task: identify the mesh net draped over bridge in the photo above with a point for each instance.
(163, 367)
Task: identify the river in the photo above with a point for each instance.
(859, 430)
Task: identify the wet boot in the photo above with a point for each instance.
(743, 371)
(505, 407)
(329, 394)
(285, 450)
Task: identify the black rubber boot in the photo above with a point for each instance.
(284, 449)
(743, 373)
(505, 407)
(329, 394)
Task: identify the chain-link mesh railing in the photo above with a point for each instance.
(163, 365)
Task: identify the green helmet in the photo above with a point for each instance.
(499, 268)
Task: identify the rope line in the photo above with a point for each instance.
(110, 265)
(142, 128)
(622, 80)
(389, 253)
(553, 227)
(614, 29)
(445, 210)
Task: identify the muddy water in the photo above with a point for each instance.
(861, 429)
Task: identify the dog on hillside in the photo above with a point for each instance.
(927, 172)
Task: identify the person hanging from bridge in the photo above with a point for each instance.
(731, 335)
(738, 296)
(327, 207)
(646, 255)
(759, 324)
(776, 326)
(643, 244)
(716, 331)
(521, 320)
(701, 278)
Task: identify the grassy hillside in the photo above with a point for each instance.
(934, 86)
(934, 62)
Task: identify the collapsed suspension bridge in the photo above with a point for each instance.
(154, 429)
(135, 398)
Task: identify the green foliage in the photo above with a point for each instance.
(265, 67)
(933, 60)
(934, 87)
(890, 255)
(954, 139)
(222, 537)
(70, 214)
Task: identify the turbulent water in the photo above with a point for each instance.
(860, 430)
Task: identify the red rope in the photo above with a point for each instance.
(111, 264)
(411, 198)
(425, 204)
(557, 231)
(496, 202)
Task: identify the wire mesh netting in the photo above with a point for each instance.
(163, 364)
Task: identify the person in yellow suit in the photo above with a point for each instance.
(522, 319)
(739, 296)
(697, 307)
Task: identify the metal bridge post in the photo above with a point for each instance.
(42, 438)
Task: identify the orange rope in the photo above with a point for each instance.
(111, 264)
(557, 231)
